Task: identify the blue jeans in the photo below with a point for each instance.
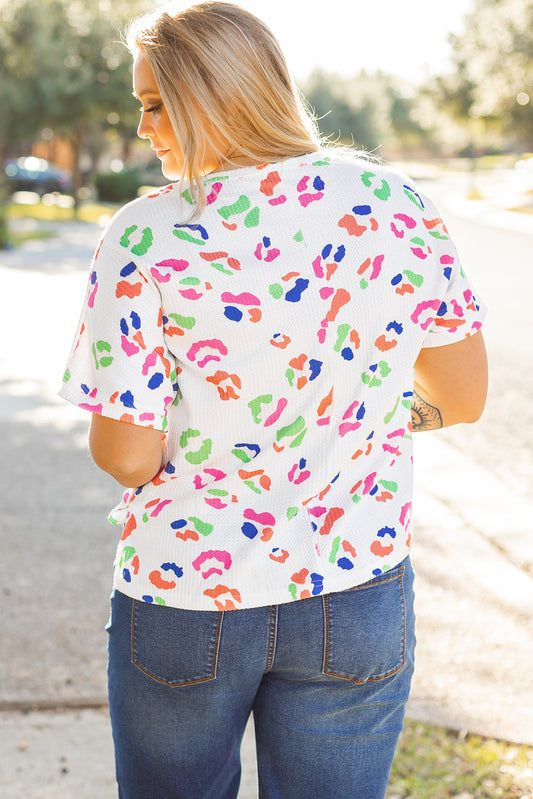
(326, 678)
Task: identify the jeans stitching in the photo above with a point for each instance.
(272, 637)
(153, 676)
(380, 677)
(325, 606)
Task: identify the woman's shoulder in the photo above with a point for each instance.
(146, 210)
(358, 162)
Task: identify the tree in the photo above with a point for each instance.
(64, 68)
(373, 111)
(337, 117)
(494, 68)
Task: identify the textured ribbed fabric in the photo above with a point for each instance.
(274, 342)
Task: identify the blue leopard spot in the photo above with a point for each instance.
(233, 313)
(128, 269)
(249, 530)
(155, 381)
(315, 367)
(171, 567)
(127, 399)
(387, 531)
(344, 563)
(339, 255)
(295, 294)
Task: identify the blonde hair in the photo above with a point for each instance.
(219, 67)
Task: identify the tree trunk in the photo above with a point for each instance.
(77, 178)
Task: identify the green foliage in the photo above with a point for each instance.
(435, 763)
(116, 187)
(493, 79)
(64, 68)
(372, 111)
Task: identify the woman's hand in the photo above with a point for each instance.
(133, 455)
(450, 384)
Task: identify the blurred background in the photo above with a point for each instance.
(444, 90)
(447, 84)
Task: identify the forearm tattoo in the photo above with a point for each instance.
(423, 415)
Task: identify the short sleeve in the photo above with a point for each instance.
(119, 365)
(459, 312)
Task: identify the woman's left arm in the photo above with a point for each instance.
(133, 455)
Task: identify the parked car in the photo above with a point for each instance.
(36, 174)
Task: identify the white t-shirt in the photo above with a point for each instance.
(274, 343)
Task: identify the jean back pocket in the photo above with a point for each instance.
(365, 629)
(175, 646)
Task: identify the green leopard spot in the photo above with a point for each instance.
(413, 277)
(241, 455)
(389, 485)
(187, 196)
(252, 219)
(204, 528)
(291, 513)
(255, 405)
(188, 322)
(184, 236)
(390, 415)
(242, 204)
(202, 454)
(334, 549)
(127, 554)
(276, 291)
(186, 435)
(289, 374)
(222, 268)
(291, 429)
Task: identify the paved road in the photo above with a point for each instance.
(473, 555)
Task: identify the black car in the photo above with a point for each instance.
(36, 174)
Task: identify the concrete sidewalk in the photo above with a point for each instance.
(474, 566)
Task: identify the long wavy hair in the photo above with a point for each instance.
(218, 67)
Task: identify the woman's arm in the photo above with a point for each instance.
(450, 384)
(133, 455)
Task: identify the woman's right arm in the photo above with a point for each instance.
(450, 384)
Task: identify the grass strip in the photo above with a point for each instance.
(436, 763)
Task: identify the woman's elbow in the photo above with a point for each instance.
(131, 455)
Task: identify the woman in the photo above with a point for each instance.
(259, 341)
